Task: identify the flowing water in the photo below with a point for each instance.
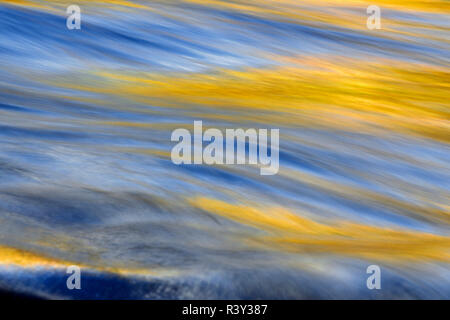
(86, 176)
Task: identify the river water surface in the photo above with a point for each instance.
(86, 176)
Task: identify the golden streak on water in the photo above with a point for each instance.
(288, 231)
(10, 256)
(312, 92)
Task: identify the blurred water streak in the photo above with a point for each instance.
(85, 171)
